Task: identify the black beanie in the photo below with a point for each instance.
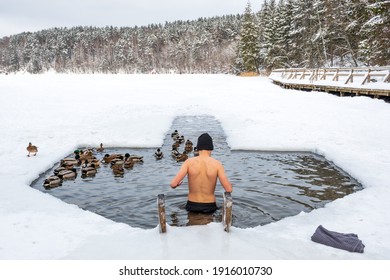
(205, 142)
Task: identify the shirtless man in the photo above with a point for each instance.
(202, 172)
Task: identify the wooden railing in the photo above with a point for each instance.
(227, 213)
(161, 213)
(364, 80)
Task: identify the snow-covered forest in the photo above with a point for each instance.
(285, 33)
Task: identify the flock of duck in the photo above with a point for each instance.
(85, 161)
(188, 147)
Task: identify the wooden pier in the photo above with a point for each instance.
(372, 81)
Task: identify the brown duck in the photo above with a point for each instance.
(32, 149)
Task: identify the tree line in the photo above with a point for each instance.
(283, 34)
(315, 33)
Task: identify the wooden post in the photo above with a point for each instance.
(387, 78)
(161, 213)
(227, 211)
(323, 77)
(350, 77)
(367, 77)
(336, 76)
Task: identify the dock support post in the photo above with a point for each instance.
(161, 213)
(227, 211)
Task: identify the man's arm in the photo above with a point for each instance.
(223, 179)
(180, 175)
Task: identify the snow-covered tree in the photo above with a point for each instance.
(249, 47)
(375, 47)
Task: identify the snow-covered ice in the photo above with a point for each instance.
(61, 112)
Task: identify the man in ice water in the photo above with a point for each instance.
(202, 172)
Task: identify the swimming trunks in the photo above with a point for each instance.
(201, 207)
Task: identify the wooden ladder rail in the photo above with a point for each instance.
(227, 211)
(226, 214)
(161, 213)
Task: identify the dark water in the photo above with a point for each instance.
(268, 186)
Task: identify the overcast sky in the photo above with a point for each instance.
(17, 16)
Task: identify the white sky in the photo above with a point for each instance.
(32, 15)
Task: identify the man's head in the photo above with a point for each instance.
(205, 142)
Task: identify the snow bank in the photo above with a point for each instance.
(60, 112)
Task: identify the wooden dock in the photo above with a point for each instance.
(373, 81)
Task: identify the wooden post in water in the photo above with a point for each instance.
(227, 211)
(161, 213)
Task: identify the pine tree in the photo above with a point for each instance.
(249, 47)
(376, 33)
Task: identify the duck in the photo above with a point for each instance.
(88, 163)
(188, 146)
(68, 174)
(69, 163)
(182, 157)
(32, 149)
(196, 152)
(100, 149)
(95, 162)
(87, 155)
(175, 133)
(181, 139)
(108, 158)
(158, 154)
(174, 152)
(118, 169)
(59, 169)
(52, 181)
(135, 158)
(175, 145)
(117, 161)
(129, 163)
(88, 171)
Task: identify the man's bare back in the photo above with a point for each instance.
(202, 172)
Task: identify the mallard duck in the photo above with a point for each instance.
(129, 163)
(70, 162)
(181, 139)
(86, 155)
(68, 174)
(52, 181)
(188, 146)
(158, 154)
(196, 152)
(118, 169)
(182, 157)
(32, 149)
(134, 158)
(117, 161)
(95, 162)
(88, 171)
(175, 152)
(175, 133)
(87, 162)
(59, 169)
(108, 158)
(100, 149)
(175, 145)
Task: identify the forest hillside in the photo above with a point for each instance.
(283, 34)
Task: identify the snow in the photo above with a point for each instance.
(61, 112)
